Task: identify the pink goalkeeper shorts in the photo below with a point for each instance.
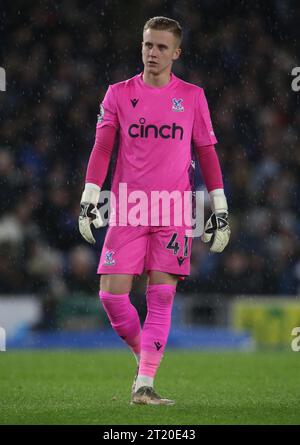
(133, 250)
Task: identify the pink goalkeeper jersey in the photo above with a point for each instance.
(157, 126)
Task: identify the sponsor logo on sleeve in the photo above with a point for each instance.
(100, 116)
(2, 79)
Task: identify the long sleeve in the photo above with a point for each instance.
(210, 167)
(100, 155)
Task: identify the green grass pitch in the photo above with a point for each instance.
(93, 387)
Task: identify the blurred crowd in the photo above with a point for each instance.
(60, 58)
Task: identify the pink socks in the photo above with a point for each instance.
(124, 318)
(149, 343)
(156, 327)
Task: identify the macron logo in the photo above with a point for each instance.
(158, 345)
(134, 102)
(180, 260)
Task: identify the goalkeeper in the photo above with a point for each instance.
(156, 117)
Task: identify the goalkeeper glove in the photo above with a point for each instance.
(217, 229)
(89, 213)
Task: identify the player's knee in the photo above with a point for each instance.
(161, 296)
(167, 297)
(116, 284)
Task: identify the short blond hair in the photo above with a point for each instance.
(165, 24)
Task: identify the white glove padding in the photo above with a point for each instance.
(89, 213)
(217, 230)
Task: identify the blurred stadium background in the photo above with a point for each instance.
(59, 59)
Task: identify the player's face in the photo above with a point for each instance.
(159, 50)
